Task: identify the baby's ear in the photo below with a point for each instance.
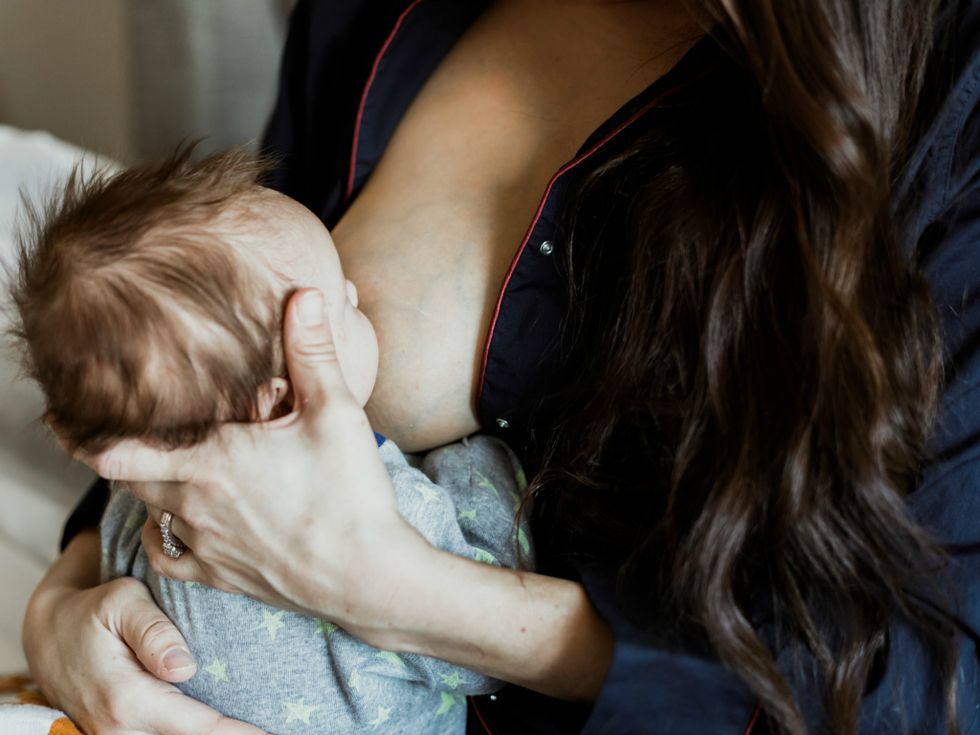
(275, 399)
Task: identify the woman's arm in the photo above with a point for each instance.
(78, 566)
(335, 545)
(104, 653)
(528, 629)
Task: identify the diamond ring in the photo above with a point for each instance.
(172, 546)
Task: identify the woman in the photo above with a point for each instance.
(727, 423)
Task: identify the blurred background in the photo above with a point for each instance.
(125, 80)
(130, 78)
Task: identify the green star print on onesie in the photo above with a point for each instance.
(291, 674)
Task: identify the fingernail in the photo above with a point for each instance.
(310, 308)
(176, 659)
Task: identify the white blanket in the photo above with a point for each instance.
(38, 486)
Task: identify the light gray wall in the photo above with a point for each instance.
(64, 67)
(204, 69)
(131, 78)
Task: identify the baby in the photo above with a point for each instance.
(149, 304)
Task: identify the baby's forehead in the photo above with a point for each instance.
(268, 229)
(263, 210)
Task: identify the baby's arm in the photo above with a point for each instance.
(464, 501)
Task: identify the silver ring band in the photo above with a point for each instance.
(172, 546)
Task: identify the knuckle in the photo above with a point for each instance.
(184, 506)
(119, 591)
(199, 524)
(205, 526)
(124, 585)
(157, 634)
(197, 520)
(316, 346)
(193, 521)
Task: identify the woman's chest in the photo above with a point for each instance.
(433, 232)
(465, 170)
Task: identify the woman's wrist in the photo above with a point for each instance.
(528, 629)
(367, 591)
(77, 567)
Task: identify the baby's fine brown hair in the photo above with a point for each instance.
(135, 314)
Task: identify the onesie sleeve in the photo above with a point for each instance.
(463, 500)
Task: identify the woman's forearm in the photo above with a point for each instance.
(528, 629)
(76, 569)
(78, 565)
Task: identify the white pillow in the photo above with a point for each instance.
(37, 484)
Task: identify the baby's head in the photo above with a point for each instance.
(150, 301)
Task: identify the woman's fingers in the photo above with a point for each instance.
(131, 459)
(315, 374)
(157, 495)
(108, 656)
(179, 715)
(151, 636)
(311, 357)
(186, 567)
(178, 528)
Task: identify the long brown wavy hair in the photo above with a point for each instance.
(752, 363)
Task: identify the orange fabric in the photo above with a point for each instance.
(22, 690)
(13, 683)
(64, 726)
(32, 698)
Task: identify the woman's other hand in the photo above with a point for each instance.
(297, 512)
(105, 653)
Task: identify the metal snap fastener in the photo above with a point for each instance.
(503, 423)
(546, 248)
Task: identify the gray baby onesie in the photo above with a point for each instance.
(289, 673)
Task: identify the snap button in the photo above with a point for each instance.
(546, 248)
(503, 423)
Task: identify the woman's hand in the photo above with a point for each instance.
(105, 654)
(296, 512)
(300, 513)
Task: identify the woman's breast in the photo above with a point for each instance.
(429, 241)
(431, 236)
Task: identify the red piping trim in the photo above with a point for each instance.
(567, 167)
(476, 711)
(364, 96)
(755, 718)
